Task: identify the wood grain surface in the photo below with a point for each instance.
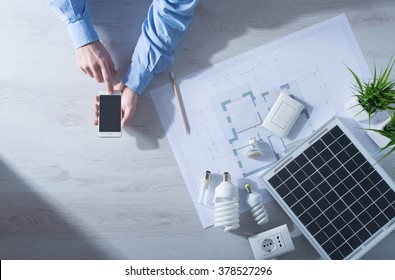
(67, 194)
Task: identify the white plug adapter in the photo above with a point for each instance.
(271, 243)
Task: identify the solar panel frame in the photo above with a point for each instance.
(334, 190)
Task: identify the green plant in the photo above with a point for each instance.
(389, 132)
(377, 94)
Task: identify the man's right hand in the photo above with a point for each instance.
(95, 61)
(128, 104)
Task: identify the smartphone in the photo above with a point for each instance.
(110, 114)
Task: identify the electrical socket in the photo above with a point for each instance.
(271, 243)
(268, 245)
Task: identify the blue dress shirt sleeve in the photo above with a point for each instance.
(165, 26)
(163, 29)
(76, 14)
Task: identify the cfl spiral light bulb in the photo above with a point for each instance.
(226, 204)
(254, 200)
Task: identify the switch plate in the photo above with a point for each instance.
(283, 115)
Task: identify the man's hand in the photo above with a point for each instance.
(128, 104)
(96, 62)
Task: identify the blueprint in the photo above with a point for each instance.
(226, 104)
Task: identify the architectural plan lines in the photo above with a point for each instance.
(227, 103)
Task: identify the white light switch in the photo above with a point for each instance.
(283, 115)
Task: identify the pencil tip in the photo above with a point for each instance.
(171, 75)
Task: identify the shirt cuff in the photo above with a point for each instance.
(137, 78)
(82, 32)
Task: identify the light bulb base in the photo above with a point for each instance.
(207, 176)
(248, 188)
(226, 177)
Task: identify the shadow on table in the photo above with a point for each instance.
(32, 228)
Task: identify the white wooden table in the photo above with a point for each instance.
(67, 194)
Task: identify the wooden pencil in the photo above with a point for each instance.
(180, 104)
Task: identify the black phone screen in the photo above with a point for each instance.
(110, 113)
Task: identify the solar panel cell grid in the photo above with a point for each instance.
(335, 193)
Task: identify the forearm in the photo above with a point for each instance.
(165, 26)
(76, 14)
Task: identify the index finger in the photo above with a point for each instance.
(105, 70)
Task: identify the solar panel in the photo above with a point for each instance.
(335, 192)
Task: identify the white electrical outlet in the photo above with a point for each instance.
(271, 243)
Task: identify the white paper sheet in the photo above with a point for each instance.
(225, 104)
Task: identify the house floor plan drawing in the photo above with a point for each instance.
(242, 109)
(227, 103)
